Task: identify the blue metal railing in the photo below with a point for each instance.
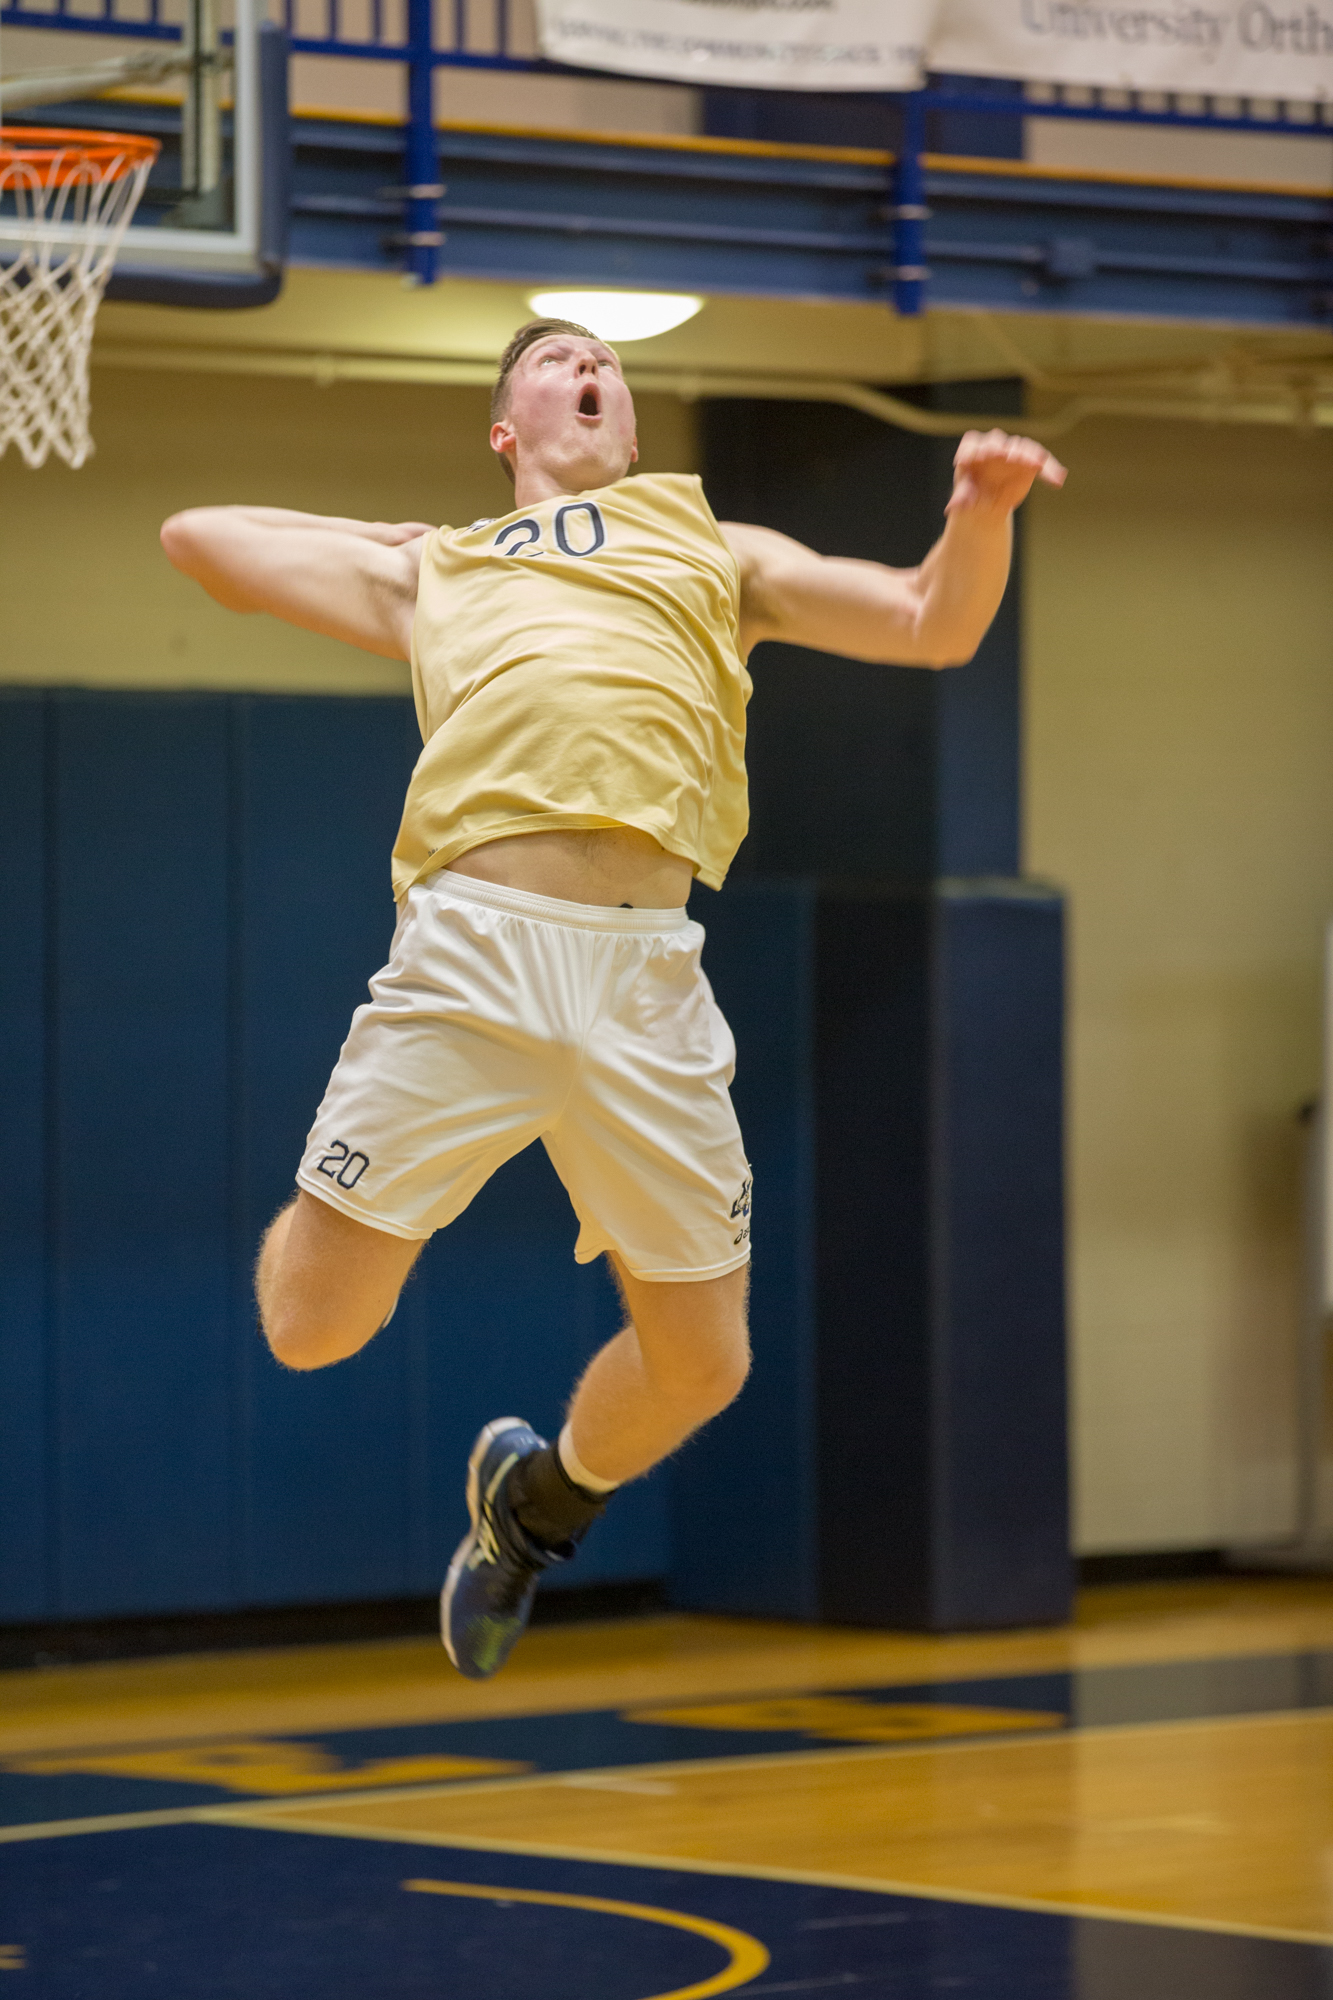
(421, 52)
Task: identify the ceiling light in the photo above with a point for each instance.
(618, 316)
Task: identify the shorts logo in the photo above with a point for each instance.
(741, 1208)
(342, 1165)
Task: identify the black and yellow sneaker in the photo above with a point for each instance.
(492, 1580)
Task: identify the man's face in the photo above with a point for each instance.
(570, 422)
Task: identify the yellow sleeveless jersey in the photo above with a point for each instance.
(576, 664)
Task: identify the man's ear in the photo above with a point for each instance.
(503, 440)
(634, 451)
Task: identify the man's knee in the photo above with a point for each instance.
(703, 1362)
(318, 1301)
(303, 1340)
(720, 1380)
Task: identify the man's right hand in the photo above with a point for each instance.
(349, 580)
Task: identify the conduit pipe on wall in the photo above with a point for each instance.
(1297, 402)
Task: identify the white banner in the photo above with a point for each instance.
(1235, 48)
(1250, 48)
(767, 44)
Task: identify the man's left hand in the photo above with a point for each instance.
(995, 472)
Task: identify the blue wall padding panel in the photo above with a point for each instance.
(327, 1492)
(899, 1458)
(26, 1548)
(743, 1500)
(940, 1257)
(996, 1118)
(215, 871)
(872, 1050)
(140, 1152)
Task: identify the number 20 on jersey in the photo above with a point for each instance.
(578, 528)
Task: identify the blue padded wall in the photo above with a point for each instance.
(26, 1544)
(193, 893)
(139, 1152)
(942, 1489)
(328, 1483)
(743, 1500)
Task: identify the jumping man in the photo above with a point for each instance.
(580, 681)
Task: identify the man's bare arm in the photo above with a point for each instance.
(351, 580)
(933, 616)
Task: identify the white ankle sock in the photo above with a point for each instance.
(577, 1470)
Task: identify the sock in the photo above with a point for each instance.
(572, 1464)
(553, 1507)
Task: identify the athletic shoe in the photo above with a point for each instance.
(492, 1580)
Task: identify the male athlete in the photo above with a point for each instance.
(580, 680)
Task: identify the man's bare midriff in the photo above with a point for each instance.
(608, 866)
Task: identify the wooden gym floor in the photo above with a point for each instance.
(1138, 1805)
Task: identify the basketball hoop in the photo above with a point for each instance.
(66, 199)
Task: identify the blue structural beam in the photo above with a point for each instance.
(809, 222)
(912, 228)
(818, 222)
(1005, 235)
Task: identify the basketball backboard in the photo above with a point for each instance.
(211, 227)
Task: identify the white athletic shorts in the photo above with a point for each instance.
(503, 1017)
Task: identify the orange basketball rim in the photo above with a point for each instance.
(66, 199)
(59, 158)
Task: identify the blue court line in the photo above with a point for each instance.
(93, 1782)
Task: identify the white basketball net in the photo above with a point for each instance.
(66, 199)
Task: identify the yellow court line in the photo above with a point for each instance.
(59, 1829)
(747, 1956)
(388, 1795)
(694, 1767)
(256, 1811)
(805, 1877)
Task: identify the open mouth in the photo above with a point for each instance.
(590, 402)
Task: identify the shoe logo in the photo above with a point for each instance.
(486, 1548)
(341, 1164)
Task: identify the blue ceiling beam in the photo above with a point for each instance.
(792, 222)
